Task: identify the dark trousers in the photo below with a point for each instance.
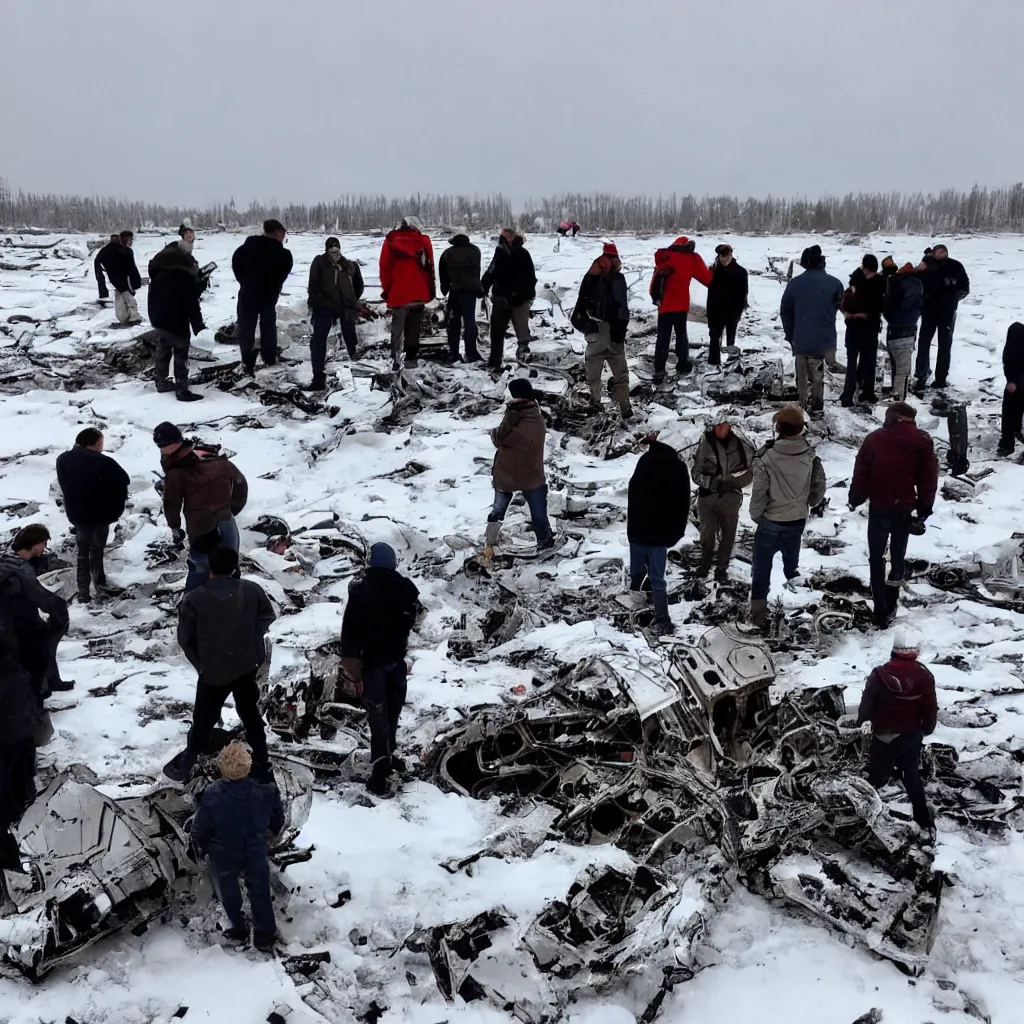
(901, 758)
(17, 780)
(170, 346)
(256, 868)
(650, 561)
(91, 542)
(37, 652)
(943, 322)
(1013, 415)
(322, 319)
(248, 316)
(667, 323)
(769, 539)
(718, 322)
(210, 700)
(462, 319)
(861, 358)
(384, 689)
(892, 528)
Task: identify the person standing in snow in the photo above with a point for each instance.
(727, 298)
(946, 285)
(519, 465)
(788, 481)
(899, 701)
(261, 265)
(723, 466)
(222, 627)
(335, 285)
(601, 314)
(897, 473)
(904, 297)
(118, 260)
(382, 609)
(174, 312)
(656, 514)
(567, 227)
(97, 266)
(459, 271)
(512, 281)
(95, 489)
(233, 820)
(22, 599)
(808, 312)
(674, 269)
(1013, 394)
(406, 285)
(862, 307)
(212, 492)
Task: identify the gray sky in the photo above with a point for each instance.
(291, 100)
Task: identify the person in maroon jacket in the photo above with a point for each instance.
(897, 473)
(899, 702)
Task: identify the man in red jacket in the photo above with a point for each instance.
(674, 268)
(897, 473)
(899, 702)
(407, 285)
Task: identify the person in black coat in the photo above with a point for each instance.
(459, 273)
(381, 612)
(95, 489)
(1013, 395)
(261, 265)
(118, 260)
(727, 298)
(234, 818)
(862, 307)
(945, 285)
(659, 505)
(97, 266)
(512, 281)
(19, 717)
(335, 287)
(174, 312)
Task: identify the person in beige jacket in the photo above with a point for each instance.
(788, 481)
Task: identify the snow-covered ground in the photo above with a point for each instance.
(766, 965)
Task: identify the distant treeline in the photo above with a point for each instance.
(980, 209)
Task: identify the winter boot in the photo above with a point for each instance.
(411, 362)
(627, 411)
(659, 377)
(319, 382)
(721, 575)
(491, 534)
(523, 353)
(759, 612)
(684, 367)
(264, 942)
(182, 394)
(473, 356)
(1005, 447)
(664, 627)
(237, 933)
(163, 385)
(377, 783)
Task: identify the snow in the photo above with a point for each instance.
(767, 964)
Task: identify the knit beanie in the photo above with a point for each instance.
(520, 387)
(166, 433)
(904, 645)
(382, 556)
(609, 248)
(235, 761)
(723, 250)
(186, 225)
(332, 243)
(811, 258)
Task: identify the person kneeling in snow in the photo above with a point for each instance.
(234, 819)
(382, 609)
(899, 702)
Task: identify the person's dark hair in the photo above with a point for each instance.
(126, 235)
(88, 437)
(223, 560)
(788, 429)
(272, 227)
(29, 536)
(870, 262)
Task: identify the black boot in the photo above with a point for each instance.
(163, 385)
(182, 394)
(319, 382)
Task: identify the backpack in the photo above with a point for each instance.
(658, 283)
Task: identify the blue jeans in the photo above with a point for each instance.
(462, 317)
(322, 319)
(666, 323)
(647, 560)
(771, 538)
(384, 690)
(536, 500)
(256, 867)
(248, 315)
(199, 564)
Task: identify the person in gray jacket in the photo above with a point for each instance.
(788, 481)
(221, 630)
(724, 465)
(809, 307)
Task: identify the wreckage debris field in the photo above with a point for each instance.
(595, 826)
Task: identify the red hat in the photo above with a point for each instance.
(609, 249)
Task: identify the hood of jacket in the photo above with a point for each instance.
(459, 239)
(789, 446)
(905, 685)
(663, 257)
(406, 242)
(660, 450)
(178, 456)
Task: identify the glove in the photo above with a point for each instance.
(178, 536)
(865, 728)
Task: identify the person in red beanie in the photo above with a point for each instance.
(674, 268)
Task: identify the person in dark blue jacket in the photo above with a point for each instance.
(904, 298)
(234, 819)
(1013, 395)
(808, 311)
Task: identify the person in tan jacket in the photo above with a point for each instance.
(519, 464)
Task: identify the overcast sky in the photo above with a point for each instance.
(192, 101)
